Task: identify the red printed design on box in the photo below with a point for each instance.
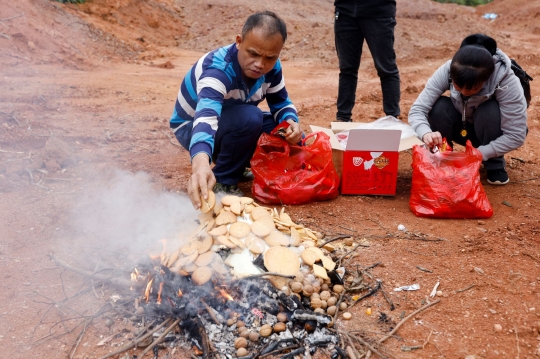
(370, 162)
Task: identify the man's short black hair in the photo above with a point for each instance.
(267, 20)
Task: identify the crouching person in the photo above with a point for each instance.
(216, 117)
(486, 105)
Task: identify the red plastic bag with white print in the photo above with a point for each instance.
(293, 174)
(447, 184)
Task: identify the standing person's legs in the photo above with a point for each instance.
(487, 126)
(349, 40)
(379, 34)
(236, 138)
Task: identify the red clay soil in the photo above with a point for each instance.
(88, 171)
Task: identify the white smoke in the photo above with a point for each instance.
(128, 211)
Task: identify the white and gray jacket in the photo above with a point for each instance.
(503, 86)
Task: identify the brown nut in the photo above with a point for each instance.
(324, 304)
(240, 343)
(343, 306)
(331, 310)
(230, 321)
(331, 301)
(240, 323)
(315, 303)
(307, 290)
(316, 288)
(315, 295)
(296, 287)
(319, 310)
(253, 336)
(347, 316)
(338, 288)
(325, 295)
(279, 327)
(244, 333)
(299, 277)
(242, 352)
(265, 330)
(282, 317)
(324, 286)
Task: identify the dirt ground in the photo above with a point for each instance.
(89, 173)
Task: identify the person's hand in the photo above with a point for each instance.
(293, 134)
(202, 179)
(432, 139)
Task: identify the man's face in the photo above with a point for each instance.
(258, 53)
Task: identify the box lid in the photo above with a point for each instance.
(373, 140)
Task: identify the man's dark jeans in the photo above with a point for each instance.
(350, 33)
(240, 126)
(486, 126)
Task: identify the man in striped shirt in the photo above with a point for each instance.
(216, 116)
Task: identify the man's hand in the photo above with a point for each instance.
(293, 134)
(432, 139)
(202, 179)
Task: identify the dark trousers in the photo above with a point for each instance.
(240, 127)
(350, 33)
(486, 126)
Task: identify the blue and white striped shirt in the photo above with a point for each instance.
(216, 80)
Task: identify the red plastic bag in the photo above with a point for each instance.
(447, 184)
(291, 174)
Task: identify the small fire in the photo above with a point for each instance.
(179, 294)
(159, 293)
(147, 291)
(134, 275)
(226, 295)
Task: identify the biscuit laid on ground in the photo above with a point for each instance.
(239, 229)
(208, 204)
(260, 229)
(283, 261)
(205, 244)
(225, 218)
(259, 212)
(230, 199)
(201, 275)
(205, 259)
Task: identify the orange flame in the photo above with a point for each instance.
(147, 291)
(159, 293)
(180, 293)
(226, 295)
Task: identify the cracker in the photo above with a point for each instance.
(225, 218)
(228, 200)
(205, 259)
(276, 238)
(205, 244)
(201, 275)
(260, 229)
(208, 204)
(218, 231)
(259, 212)
(237, 208)
(309, 257)
(239, 229)
(256, 245)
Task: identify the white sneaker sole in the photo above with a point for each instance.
(498, 183)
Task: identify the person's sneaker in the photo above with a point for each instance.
(340, 119)
(247, 175)
(497, 177)
(228, 189)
